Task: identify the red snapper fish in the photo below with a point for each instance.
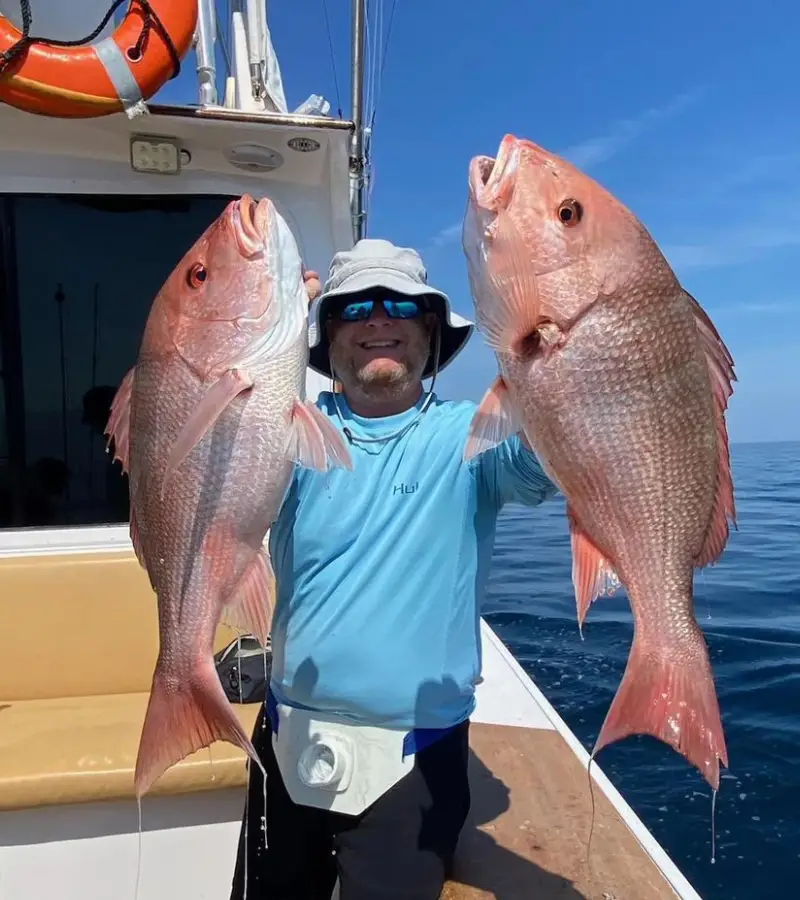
(209, 424)
(620, 383)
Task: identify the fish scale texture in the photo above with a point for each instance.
(622, 415)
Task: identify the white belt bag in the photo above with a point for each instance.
(331, 764)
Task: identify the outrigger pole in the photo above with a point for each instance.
(357, 111)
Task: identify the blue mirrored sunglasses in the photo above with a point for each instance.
(358, 310)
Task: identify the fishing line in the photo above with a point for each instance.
(591, 824)
(211, 763)
(383, 56)
(713, 826)
(248, 772)
(139, 855)
(263, 817)
(333, 58)
(221, 40)
(248, 766)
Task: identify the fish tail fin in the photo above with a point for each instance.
(670, 695)
(185, 715)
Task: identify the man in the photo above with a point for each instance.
(380, 577)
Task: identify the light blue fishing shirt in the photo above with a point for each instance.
(381, 571)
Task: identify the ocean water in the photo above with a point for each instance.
(748, 606)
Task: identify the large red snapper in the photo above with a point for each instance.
(209, 424)
(620, 383)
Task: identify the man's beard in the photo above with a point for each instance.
(378, 382)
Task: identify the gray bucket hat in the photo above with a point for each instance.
(374, 263)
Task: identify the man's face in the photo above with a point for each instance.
(379, 353)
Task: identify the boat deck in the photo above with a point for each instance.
(72, 699)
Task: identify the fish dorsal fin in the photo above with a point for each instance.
(721, 372)
(119, 420)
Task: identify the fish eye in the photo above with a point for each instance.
(196, 275)
(570, 212)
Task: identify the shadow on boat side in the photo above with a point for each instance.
(46, 824)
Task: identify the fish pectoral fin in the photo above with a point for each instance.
(314, 441)
(253, 602)
(592, 573)
(119, 421)
(208, 410)
(185, 714)
(511, 312)
(721, 372)
(494, 421)
(668, 692)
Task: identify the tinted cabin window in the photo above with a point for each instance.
(80, 275)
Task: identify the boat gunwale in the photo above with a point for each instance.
(223, 114)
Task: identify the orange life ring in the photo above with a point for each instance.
(74, 82)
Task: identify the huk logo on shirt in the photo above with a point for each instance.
(403, 488)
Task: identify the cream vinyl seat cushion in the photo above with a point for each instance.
(78, 643)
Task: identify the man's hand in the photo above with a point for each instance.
(313, 284)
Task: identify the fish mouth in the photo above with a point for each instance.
(484, 166)
(250, 224)
(492, 180)
(480, 171)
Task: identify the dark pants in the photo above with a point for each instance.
(400, 848)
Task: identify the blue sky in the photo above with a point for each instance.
(686, 111)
